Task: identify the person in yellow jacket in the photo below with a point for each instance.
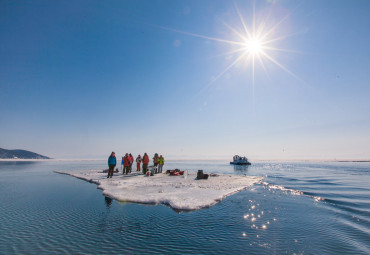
(160, 163)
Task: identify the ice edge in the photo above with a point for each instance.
(175, 191)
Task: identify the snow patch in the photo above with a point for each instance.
(179, 192)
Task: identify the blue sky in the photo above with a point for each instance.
(79, 79)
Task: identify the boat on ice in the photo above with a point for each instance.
(237, 160)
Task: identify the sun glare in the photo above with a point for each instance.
(253, 46)
(253, 43)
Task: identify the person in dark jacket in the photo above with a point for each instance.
(112, 164)
(155, 159)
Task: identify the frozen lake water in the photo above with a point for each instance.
(299, 208)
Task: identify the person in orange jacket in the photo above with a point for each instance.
(145, 162)
(131, 159)
(126, 164)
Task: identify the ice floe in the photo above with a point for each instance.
(179, 192)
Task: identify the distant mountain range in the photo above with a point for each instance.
(20, 154)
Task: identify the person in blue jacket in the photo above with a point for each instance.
(112, 164)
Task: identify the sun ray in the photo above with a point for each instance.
(234, 30)
(222, 73)
(253, 43)
(281, 66)
(260, 29)
(263, 23)
(242, 21)
(281, 49)
(280, 22)
(262, 64)
(275, 26)
(229, 53)
(227, 68)
(280, 38)
(200, 36)
(253, 75)
(254, 17)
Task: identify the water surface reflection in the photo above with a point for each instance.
(241, 168)
(108, 202)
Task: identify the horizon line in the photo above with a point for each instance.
(208, 159)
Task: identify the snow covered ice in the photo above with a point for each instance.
(179, 192)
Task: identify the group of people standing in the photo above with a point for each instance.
(128, 160)
(126, 163)
(158, 162)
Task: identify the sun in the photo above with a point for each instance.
(253, 46)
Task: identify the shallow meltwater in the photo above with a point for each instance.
(299, 208)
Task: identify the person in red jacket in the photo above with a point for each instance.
(126, 164)
(138, 162)
(131, 158)
(145, 162)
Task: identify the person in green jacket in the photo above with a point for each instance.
(160, 163)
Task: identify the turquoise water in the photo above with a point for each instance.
(43, 212)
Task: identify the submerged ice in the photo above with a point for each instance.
(179, 192)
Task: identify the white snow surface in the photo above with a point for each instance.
(179, 192)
